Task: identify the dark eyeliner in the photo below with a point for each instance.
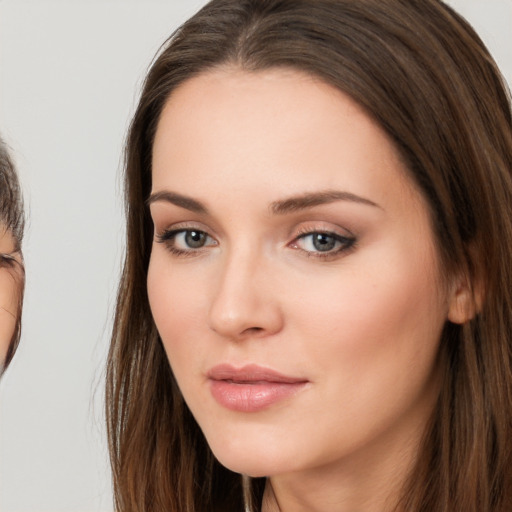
(7, 261)
(347, 244)
(168, 236)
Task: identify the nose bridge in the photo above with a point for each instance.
(243, 302)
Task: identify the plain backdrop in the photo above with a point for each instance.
(70, 72)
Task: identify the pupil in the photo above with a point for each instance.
(323, 242)
(195, 239)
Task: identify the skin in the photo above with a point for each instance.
(361, 325)
(10, 269)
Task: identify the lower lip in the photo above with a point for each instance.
(252, 397)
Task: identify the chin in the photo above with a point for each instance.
(251, 459)
(246, 465)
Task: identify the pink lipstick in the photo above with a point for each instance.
(251, 388)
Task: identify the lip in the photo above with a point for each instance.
(251, 388)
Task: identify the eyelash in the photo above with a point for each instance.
(168, 237)
(7, 261)
(346, 244)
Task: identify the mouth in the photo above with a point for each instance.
(251, 388)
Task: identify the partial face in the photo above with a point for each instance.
(10, 289)
(293, 276)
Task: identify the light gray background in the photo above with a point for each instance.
(70, 72)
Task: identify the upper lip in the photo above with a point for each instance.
(250, 373)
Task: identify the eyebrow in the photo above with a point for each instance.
(281, 207)
(310, 200)
(179, 200)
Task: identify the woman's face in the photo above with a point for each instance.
(10, 289)
(293, 276)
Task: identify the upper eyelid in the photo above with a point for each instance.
(171, 232)
(339, 237)
(304, 228)
(10, 262)
(334, 234)
(346, 243)
(316, 227)
(182, 226)
(6, 262)
(5, 256)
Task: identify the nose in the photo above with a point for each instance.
(246, 300)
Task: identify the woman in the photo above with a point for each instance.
(12, 274)
(316, 292)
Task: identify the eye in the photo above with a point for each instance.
(190, 239)
(319, 243)
(7, 261)
(185, 241)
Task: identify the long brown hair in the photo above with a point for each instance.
(424, 75)
(12, 220)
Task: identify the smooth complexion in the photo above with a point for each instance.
(290, 241)
(10, 284)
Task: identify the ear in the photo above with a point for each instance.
(465, 300)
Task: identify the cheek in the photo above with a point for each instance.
(175, 302)
(374, 321)
(365, 333)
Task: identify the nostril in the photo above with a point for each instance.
(253, 330)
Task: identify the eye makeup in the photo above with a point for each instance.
(323, 244)
(315, 243)
(185, 241)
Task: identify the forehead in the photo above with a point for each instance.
(281, 129)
